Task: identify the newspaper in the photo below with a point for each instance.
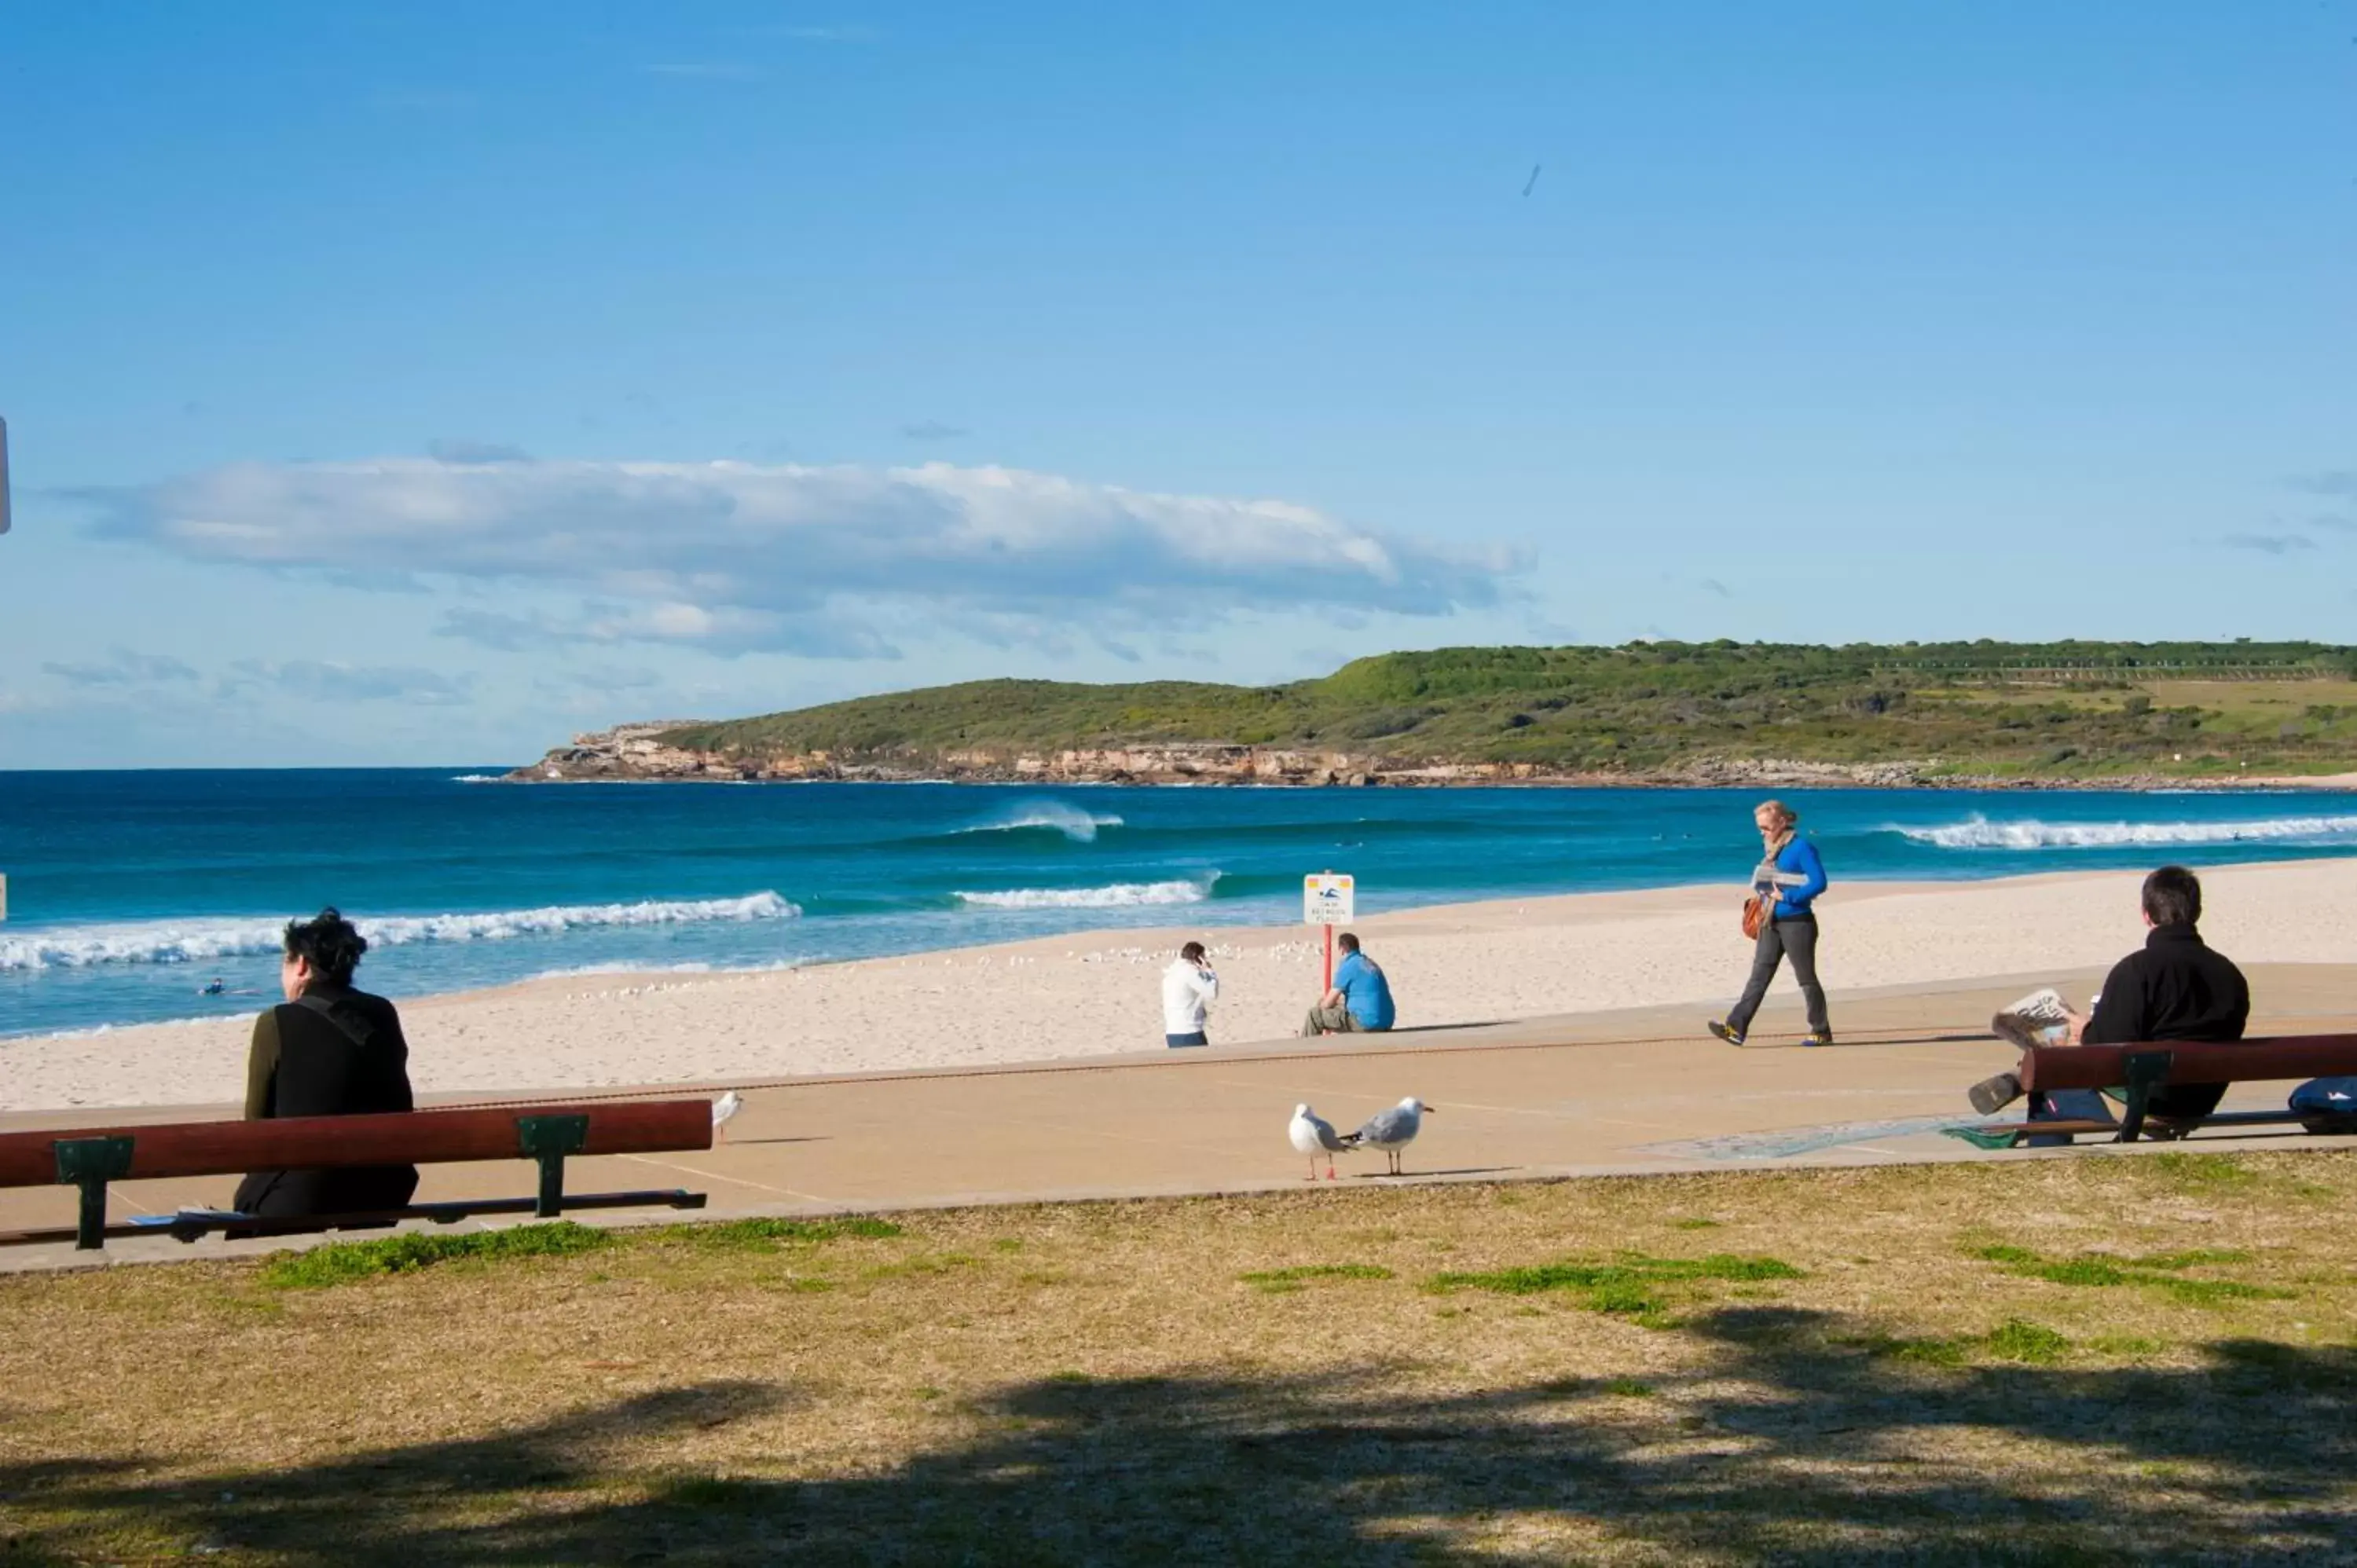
(2040, 1018)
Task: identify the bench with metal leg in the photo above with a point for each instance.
(2132, 1074)
(548, 1135)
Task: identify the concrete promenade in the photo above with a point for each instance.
(1631, 1091)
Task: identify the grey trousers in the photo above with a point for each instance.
(1778, 939)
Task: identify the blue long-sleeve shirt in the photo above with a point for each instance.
(1797, 871)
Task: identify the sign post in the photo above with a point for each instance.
(1329, 899)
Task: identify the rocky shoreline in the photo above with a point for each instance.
(635, 753)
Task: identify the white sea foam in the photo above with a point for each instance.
(474, 779)
(1119, 895)
(1079, 826)
(1979, 833)
(196, 941)
(96, 1031)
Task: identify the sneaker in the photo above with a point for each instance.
(1822, 1037)
(1992, 1095)
(1732, 1036)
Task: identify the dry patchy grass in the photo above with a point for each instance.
(2083, 1360)
(2249, 697)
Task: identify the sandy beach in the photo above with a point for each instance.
(1097, 992)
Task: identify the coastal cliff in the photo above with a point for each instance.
(1982, 713)
(645, 753)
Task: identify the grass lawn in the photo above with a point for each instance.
(2091, 1360)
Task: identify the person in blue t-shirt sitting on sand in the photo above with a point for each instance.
(1360, 1001)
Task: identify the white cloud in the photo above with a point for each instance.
(818, 634)
(322, 681)
(122, 668)
(2269, 543)
(460, 450)
(603, 678)
(734, 556)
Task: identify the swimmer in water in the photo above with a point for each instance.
(211, 988)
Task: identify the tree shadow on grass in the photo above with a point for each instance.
(1801, 1439)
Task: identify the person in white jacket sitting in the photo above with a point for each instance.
(1188, 987)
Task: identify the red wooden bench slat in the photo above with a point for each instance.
(411, 1137)
(2246, 1062)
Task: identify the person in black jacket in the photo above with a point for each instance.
(328, 1051)
(2176, 987)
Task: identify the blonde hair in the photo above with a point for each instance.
(1784, 818)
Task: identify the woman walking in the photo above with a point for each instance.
(1786, 882)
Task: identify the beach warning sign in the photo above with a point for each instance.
(1327, 899)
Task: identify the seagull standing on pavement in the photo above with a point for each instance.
(1314, 1135)
(725, 1107)
(1391, 1131)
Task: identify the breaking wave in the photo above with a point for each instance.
(1979, 833)
(196, 941)
(1075, 824)
(1119, 895)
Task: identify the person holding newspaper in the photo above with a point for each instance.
(1785, 885)
(2175, 987)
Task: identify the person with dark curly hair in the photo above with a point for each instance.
(328, 1051)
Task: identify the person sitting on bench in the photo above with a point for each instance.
(2175, 988)
(328, 1051)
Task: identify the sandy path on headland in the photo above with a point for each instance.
(1099, 992)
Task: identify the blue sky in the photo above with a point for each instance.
(421, 383)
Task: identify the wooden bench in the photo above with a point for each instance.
(2134, 1072)
(545, 1133)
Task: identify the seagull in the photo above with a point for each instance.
(1314, 1135)
(725, 1107)
(1391, 1131)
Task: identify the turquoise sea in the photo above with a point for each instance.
(127, 892)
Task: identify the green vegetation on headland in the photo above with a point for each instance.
(1669, 712)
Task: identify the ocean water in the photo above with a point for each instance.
(128, 891)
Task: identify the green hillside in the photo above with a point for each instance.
(2063, 709)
